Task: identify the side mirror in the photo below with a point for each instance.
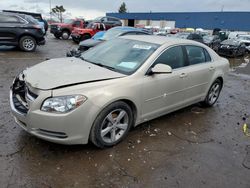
(161, 69)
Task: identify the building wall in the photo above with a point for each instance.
(239, 21)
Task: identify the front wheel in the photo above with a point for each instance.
(112, 125)
(27, 44)
(65, 35)
(213, 93)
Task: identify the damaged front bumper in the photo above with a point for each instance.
(68, 128)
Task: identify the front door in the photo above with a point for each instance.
(164, 92)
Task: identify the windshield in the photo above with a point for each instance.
(112, 33)
(120, 55)
(231, 42)
(68, 21)
(244, 37)
(91, 25)
(208, 38)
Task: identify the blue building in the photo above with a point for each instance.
(238, 21)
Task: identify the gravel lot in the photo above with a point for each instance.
(193, 147)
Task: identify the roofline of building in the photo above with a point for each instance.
(180, 12)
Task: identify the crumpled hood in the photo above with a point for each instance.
(61, 72)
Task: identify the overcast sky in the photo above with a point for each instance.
(90, 9)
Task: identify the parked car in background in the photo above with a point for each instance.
(108, 21)
(190, 36)
(110, 34)
(174, 31)
(164, 31)
(232, 48)
(235, 34)
(37, 16)
(20, 30)
(76, 52)
(80, 34)
(246, 40)
(64, 29)
(113, 87)
(213, 41)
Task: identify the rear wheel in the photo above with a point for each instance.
(65, 35)
(112, 125)
(27, 44)
(213, 93)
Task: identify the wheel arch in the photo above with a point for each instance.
(66, 29)
(221, 79)
(129, 102)
(26, 34)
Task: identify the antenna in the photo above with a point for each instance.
(50, 11)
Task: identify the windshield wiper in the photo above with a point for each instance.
(99, 64)
(105, 66)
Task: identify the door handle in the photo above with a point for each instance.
(211, 68)
(183, 75)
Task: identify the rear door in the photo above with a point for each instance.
(9, 28)
(199, 73)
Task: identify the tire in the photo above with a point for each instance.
(213, 93)
(57, 36)
(27, 44)
(75, 40)
(65, 35)
(107, 129)
(84, 37)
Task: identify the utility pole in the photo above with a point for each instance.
(222, 8)
(50, 11)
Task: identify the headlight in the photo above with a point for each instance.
(63, 104)
(58, 28)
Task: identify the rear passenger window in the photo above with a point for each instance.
(77, 23)
(173, 57)
(196, 55)
(208, 57)
(8, 19)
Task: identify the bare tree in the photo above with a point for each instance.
(59, 10)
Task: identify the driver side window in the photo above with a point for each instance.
(173, 57)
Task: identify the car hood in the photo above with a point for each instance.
(90, 43)
(62, 72)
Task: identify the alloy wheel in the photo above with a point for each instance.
(28, 44)
(114, 126)
(214, 93)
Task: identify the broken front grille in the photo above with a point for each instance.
(20, 95)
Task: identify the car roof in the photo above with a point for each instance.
(125, 28)
(155, 39)
(23, 12)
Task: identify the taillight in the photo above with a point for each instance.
(37, 26)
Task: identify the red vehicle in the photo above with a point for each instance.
(64, 29)
(79, 34)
